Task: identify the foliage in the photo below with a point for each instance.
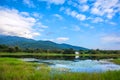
(14, 69)
(117, 61)
(12, 49)
(34, 44)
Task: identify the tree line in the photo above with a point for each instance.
(13, 49)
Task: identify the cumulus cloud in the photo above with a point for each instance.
(40, 25)
(97, 19)
(62, 39)
(59, 39)
(85, 8)
(82, 1)
(58, 16)
(25, 13)
(29, 3)
(37, 15)
(70, 2)
(75, 14)
(57, 2)
(79, 4)
(14, 23)
(106, 8)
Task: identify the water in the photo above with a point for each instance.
(76, 65)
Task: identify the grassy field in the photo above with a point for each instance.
(15, 69)
(116, 61)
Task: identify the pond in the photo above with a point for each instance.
(75, 64)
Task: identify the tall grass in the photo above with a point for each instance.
(20, 54)
(14, 69)
(116, 61)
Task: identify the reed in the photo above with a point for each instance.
(15, 69)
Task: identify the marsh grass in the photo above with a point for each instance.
(15, 69)
(116, 61)
(23, 54)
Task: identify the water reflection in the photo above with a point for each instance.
(76, 63)
(74, 57)
(77, 66)
(64, 57)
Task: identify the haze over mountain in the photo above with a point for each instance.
(30, 43)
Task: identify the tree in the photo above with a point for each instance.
(69, 51)
(11, 49)
(17, 49)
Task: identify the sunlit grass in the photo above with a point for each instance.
(15, 69)
(116, 61)
(20, 54)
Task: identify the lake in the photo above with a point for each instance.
(75, 63)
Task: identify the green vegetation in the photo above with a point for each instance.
(70, 51)
(15, 69)
(31, 44)
(58, 56)
(117, 61)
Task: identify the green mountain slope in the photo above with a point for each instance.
(30, 43)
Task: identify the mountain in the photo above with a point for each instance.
(30, 43)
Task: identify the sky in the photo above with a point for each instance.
(93, 24)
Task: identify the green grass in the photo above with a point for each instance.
(116, 61)
(19, 54)
(15, 69)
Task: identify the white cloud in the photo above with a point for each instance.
(58, 16)
(37, 15)
(87, 25)
(12, 22)
(112, 23)
(57, 2)
(80, 17)
(82, 1)
(58, 40)
(25, 14)
(113, 39)
(85, 8)
(81, 7)
(62, 39)
(39, 24)
(75, 14)
(29, 3)
(97, 19)
(74, 4)
(48, 39)
(106, 8)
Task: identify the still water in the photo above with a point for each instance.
(76, 64)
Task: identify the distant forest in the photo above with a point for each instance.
(5, 48)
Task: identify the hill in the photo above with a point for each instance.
(30, 43)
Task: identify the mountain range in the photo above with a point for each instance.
(30, 43)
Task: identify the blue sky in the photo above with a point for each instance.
(88, 23)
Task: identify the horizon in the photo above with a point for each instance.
(92, 24)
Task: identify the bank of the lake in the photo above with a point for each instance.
(15, 69)
(116, 61)
(23, 54)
